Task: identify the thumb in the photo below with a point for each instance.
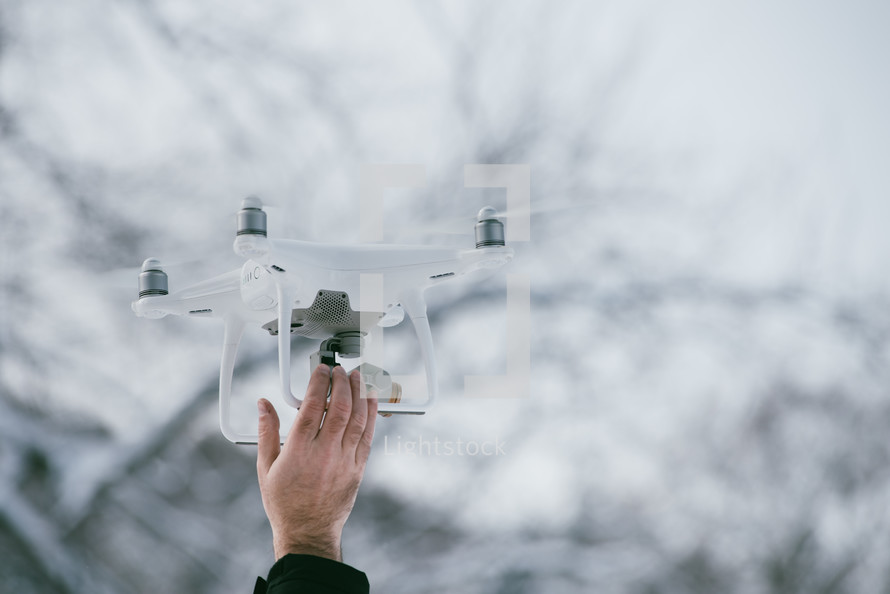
(268, 439)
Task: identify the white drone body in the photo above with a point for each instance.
(318, 291)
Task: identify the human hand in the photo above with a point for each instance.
(310, 483)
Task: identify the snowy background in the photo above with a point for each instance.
(710, 295)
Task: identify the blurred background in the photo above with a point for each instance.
(710, 298)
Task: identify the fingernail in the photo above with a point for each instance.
(261, 407)
(324, 368)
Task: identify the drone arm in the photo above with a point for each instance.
(215, 296)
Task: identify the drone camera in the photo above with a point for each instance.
(346, 344)
(489, 228)
(152, 279)
(350, 344)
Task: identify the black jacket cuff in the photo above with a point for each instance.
(308, 574)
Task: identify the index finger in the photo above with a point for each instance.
(311, 413)
(339, 408)
(356, 425)
(363, 450)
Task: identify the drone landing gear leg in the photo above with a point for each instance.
(415, 307)
(234, 331)
(286, 296)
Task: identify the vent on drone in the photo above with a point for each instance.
(330, 307)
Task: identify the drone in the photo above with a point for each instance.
(340, 294)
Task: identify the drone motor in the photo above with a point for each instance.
(489, 228)
(250, 231)
(251, 219)
(152, 279)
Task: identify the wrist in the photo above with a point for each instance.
(328, 548)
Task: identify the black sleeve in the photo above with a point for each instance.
(307, 574)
